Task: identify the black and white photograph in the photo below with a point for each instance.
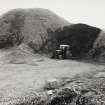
(52, 52)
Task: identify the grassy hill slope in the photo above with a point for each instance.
(28, 25)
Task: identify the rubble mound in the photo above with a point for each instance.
(80, 37)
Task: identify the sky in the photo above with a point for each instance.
(91, 12)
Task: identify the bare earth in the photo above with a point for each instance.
(23, 80)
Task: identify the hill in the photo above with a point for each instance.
(28, 25)
(44, 31)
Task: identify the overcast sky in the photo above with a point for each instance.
(91, 12)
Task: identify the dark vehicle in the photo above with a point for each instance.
(57, 54)
(62, 53)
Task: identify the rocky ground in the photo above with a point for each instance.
(43, 81)
(73, 91)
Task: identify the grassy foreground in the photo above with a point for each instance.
(43, 81)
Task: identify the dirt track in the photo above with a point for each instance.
(22, 80)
